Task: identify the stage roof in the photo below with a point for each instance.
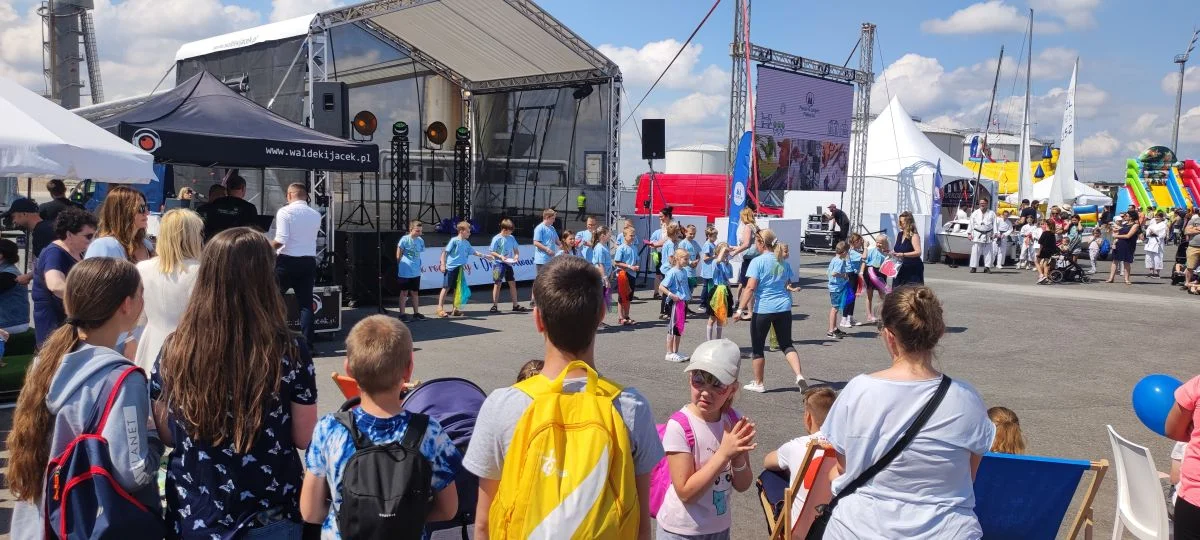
(480, 45)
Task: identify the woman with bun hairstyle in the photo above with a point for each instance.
(768, 287)
(926, 491)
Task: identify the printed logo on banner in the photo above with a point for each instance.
(147, 139)
(739, 193)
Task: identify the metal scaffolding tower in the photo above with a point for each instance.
(862, 118)
(67, 26)
(738, 87)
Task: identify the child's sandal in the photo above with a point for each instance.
(442, 314)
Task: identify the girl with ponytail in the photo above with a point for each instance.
(76, 366)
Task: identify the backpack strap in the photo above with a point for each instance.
(346, 419)
(417, 424)
(686, 424)
(113, 391)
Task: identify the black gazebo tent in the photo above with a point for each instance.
(204, 122)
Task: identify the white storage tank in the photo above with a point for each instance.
(696, 159)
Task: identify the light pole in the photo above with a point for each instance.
(1181, 59)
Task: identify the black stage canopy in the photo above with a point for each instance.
(204, 122)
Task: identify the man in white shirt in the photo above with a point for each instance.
(296, 227)
(980, 232)
(1004, 231)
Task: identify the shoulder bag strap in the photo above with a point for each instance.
(905, 440)
(417, 424)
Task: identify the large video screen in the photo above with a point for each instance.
(802, 131)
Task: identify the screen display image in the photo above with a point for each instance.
(802, 131)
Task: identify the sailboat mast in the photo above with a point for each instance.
(988, 125)
(1024, 175)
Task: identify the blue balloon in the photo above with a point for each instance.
(1153, 397)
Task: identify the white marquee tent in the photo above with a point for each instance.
(1084, 195)
(39, 139)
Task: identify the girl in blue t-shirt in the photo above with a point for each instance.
(670, 242)
(870, 274)
(855, 257)
(602, 258)
(676, 293)
(839, 269)
(566, 244)
(716, 286)
(625, 259)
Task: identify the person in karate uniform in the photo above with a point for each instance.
(1004, 229)
(981, 231)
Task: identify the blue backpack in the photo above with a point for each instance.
(82, 496)
(1105, 247)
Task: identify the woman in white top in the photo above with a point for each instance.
(1156, 238)
(926, 492)
(168, 280)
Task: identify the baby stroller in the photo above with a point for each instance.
(1066, 269)
(455, 404)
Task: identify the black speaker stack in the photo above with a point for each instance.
(358, 253)
(654, 138)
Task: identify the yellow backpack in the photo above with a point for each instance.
(569, 468)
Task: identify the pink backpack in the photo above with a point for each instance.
(660, 477)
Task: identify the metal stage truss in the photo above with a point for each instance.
(862, 78)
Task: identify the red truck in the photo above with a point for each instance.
(690, 195)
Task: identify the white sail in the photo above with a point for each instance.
(1024, 175)
(1064, 174)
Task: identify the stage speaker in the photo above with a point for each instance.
(654, 138)
(359, 252)
(331, 111)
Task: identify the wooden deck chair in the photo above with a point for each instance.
(1027, 497)
(813, 475)
(346, 384)
(771, 488)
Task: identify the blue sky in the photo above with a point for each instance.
(937, 56)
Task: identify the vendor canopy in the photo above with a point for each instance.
(204, 122)
(38, 138)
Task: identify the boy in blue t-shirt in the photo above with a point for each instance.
(505, 254)
(454, 256)
(837, 272)
(408, 268)
(379, 355)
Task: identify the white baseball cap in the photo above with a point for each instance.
(720, 358)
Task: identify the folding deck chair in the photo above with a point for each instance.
(1027, 497)
(777, 496)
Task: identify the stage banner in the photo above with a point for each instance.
(479, 271)
(737, 195)
(802, 131)
(935, 211)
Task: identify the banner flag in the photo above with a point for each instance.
(741, 177)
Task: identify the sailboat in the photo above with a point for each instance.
(1062, 190)
(1025, 176)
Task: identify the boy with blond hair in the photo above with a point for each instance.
(458, 251)
(408, 268)
(379, 355)
(790, 456)
(505, 253)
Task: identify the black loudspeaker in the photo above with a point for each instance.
(331, 109)
(654, 138)
(359, 252)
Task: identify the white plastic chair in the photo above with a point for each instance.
(1141, 508)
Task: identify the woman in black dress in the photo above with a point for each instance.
(1047, 249)
(1126, 236)
(908, 250)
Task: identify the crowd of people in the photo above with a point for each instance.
(132, 327)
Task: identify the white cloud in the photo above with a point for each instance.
(915, 79)
(693, 109)
(1145, 122)
(287, 9)
(641, 66)
(990, 16)
(1189, 126)
(1191, 81)
(1099, 145)
(1076, 14)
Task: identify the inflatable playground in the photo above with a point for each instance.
(1155, 180)
(1008, 173)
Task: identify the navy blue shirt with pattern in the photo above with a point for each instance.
(212, 490)
(332, 447)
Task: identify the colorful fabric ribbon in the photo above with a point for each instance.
(718, 301)
(624, 289)
(462, 292)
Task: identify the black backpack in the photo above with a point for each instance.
(386, 491)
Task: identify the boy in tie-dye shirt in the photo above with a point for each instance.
(379, 356)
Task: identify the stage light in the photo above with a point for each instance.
(582, 91)
(462, 134)
(436, 133)
(365, 123)
(400, 129)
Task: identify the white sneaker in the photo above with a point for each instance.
(854, 322)
(673, 357)
(755, 387)
(801, 383)
(683, 357)
(844, 322)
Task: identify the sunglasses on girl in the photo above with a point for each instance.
(141, 209)
(700, 379)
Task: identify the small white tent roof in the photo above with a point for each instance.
(895, 145)
(276, 31)
(1083, 194)
(40, 139)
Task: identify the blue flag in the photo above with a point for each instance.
(935, 209)
(741, 177)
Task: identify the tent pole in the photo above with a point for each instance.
(379, 251)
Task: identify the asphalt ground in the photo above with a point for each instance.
(1063, 357)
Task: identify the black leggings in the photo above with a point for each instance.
(1187, 520)
(761, 325)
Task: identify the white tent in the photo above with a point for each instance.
(39, 139)
(1084, 195)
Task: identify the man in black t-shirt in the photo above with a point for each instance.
(24, 215)
(839, 218)
(229, 211)
(1028, 210)
(58, 193)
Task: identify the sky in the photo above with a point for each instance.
(939, 57)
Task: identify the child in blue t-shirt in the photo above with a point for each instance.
(625, 259)
(504, 253)
(855, 258)
(839, 269)
(670, 241)
(408, 268)
(456, 254)
(720, 272)
(379, 353)
(602, 258)
(675, 291)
